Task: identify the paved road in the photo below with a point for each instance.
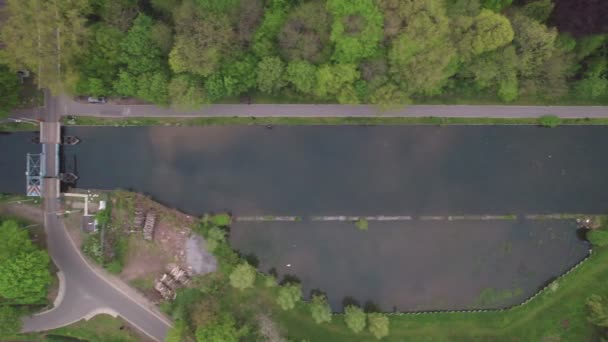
(71, 107)
(312, 110)
(85, 290)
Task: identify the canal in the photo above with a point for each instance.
(366, 170)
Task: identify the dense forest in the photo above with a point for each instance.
(192, 52)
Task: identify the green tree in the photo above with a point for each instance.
(222, 330)
(320, 310)
(539, 10)
(355, 318)
(45, 37)
(289, 296)
(389, 95)
(99, 64)
(202, 39)
(302, 75)
(24, 277)
(24, 273)
(10, 322)
(421, 55)
(597, 307)
(243, 276)
(187, 92)
(356, 30)
(331, 79)
(270, 75)
(486, 32)
(239, 74)
(598, 237)
(378, 324)
(265, 37)
(118, 13)
(9, 90)
(535, 44)
(305, 34)
(177, 332)
(496, 5)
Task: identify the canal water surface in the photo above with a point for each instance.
(359, 170)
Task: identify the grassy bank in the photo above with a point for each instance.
(18, 127)
(293, 121)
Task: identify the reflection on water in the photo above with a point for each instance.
(417, 265)
(354, 170)
(329, 170)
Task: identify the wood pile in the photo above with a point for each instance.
(174, 279)
(149, 225)
(138, 221)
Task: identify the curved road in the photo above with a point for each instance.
(85, 290)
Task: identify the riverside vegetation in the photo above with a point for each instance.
(385, 52)
(238, 303)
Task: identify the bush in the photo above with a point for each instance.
(114, 267)
(92, 247)
(243, 276)
(378, 324)
(354, 317)
(289, 295)
(10, 323)
(549, 121)
(320, 310)
(221, 220)
(598, 238)
(362, 224)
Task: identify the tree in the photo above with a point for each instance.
(24, 278)
(265, 37)
(486, 32)
(354, 317)
(378, 324)
(118, 13)
(597, 307)
(305, 34)
(331, 79)
(539, 10)
(496, 5)
(9, 90)
(250, 16)
(243, 276)
(270, 75)
(535, 43)
(186, 92)
(320, 310)
(239, 74)
(99, 65)
(201, 39)
(222, 330)
(421, 55)
(10, 322)
(598, 237)
(45, 37)
(389, 95)
(177, 332)
(24, 273)
(356, 30)
(302, 75)
(289, 295)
